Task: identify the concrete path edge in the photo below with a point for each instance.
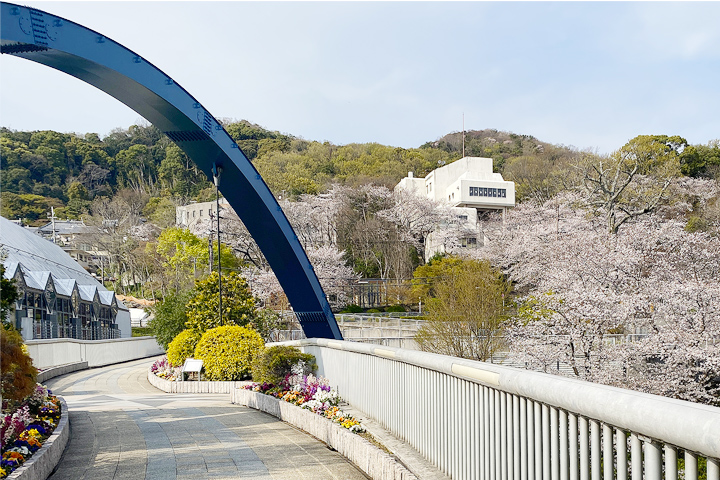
(370, 459)
(193, 386)
(58, 370)
(44, 461)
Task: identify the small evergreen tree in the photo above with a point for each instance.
(238, 304)
(169, 318)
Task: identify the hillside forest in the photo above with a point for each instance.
(624, 244)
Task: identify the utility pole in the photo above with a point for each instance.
(216, 178)
(52, 219)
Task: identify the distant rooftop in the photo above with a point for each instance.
(36, 254)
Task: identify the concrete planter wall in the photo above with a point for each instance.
(369, 458)
(192, 386)
(42, 463)
(60, 370)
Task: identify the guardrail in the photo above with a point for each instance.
(61, 351)
(477, 420)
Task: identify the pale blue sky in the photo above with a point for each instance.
(592, 75)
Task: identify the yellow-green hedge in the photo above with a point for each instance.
(182, 347)
(228, 352)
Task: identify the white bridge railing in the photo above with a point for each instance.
(483, 421)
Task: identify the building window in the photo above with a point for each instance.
(488, 192)
(468, 242)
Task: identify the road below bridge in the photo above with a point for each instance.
(123, 428)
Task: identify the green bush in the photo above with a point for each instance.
(141, 331)
(372, 310)
(273, 364)
(228, 352)
(395, 308)
(352, 308)
(18, 373)
(182, 347)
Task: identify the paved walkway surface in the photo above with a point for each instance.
(123, 428)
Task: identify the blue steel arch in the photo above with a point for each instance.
(95, 59)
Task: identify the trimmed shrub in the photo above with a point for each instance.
(228, 352)
(372, 310)
(395, 308)
(141, 332)
(352, 308)
(182, 347)
(273, 364)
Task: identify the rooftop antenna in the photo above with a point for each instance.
(463, 135)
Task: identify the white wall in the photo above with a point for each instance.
(61, 351)
(123, 322)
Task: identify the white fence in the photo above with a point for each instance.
(483, 421)
(61, 351)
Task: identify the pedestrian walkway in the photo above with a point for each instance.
(123, 428)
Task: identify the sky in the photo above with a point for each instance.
(591, 75)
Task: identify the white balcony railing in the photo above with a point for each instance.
(478, 420)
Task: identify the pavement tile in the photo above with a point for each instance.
(122, 428)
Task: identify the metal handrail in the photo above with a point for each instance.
(481, 420)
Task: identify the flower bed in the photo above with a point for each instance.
(367, 455)
(162, 368)
(311, 393)
(25, 430)
(167, 378)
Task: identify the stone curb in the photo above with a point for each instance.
(192, 386)
(369, 458)
(44, 461)
(58, 370)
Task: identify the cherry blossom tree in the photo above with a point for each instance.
(329, 266)
(578, 284)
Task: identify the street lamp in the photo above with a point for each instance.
(216, 171)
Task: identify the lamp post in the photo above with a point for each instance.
(216, 179)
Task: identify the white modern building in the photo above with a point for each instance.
(471, 188)
(468, 182)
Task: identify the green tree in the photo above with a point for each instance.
(186, 257)
(160, 211)
(238, 304)
(169, 318)
(632, 181)
(8, 295)
(33, 208)
(541, 175)
(466, 310)
(78, 201)
(426, 277)
(136, 169)
(179, 176)
(702, 160)
(183, 254)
